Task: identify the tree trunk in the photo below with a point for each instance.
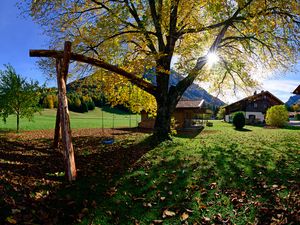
(162, 127)
(18, 122)
(165, 104)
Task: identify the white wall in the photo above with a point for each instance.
(258, 116)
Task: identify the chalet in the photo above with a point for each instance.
(187, 114)
(254, 107)
(297, 91)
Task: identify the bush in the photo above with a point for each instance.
(297, 116)
(277, 116)
(239, 120)
(221, 113)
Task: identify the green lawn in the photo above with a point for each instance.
(92, 119)
(223, 176)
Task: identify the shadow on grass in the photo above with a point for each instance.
(243, 130)
(6, 130)
(289, 127)
(33, 186)
(215, 181)
(189, 133)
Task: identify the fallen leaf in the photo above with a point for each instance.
(168, 213)
(206, 219)
(157, 221)
(11, 220)
(184, 216)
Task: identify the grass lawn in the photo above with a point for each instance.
(93, 119)
(222, 176)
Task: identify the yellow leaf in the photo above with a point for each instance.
(184, 216)
(168, 213)
(11, 220)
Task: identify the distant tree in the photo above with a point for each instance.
(17, 96)
(221, 113)
(277, 116)
(48, 101)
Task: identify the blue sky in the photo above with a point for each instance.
(19, 34)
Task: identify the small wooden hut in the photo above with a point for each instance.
(188, 114)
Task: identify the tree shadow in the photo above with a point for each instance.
(243, 129)
(289, 127)
(217, 179)
(189, 133)
(32, 177)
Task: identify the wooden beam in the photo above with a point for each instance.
(62, 71)
(57, 131)
(141, 83)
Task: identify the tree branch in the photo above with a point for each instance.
(141, 83)
(135, 15)
(157, 23)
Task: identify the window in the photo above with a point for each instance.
(255, 105)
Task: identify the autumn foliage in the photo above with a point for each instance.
(277, 116)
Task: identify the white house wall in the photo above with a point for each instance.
(227, 118)
(258, 116)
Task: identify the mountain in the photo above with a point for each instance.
(293, 100)
(194, 92)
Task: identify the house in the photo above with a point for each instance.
(254, 107)
(188, 114)
(297, 91)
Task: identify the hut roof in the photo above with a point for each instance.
(195, 104)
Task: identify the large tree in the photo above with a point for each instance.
(17, 96)
(247, 36)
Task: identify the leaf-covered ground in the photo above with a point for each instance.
(222, 176)
(32, 185)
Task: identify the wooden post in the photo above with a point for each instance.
(62, 71)
(57, 131)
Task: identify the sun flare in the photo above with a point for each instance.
(212, 58)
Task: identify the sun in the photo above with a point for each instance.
(212, 58)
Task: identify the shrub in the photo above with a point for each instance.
(277, 116)
(297, 116)
(239, 120)
(221, 113)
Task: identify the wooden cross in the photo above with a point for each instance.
(62, 116)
